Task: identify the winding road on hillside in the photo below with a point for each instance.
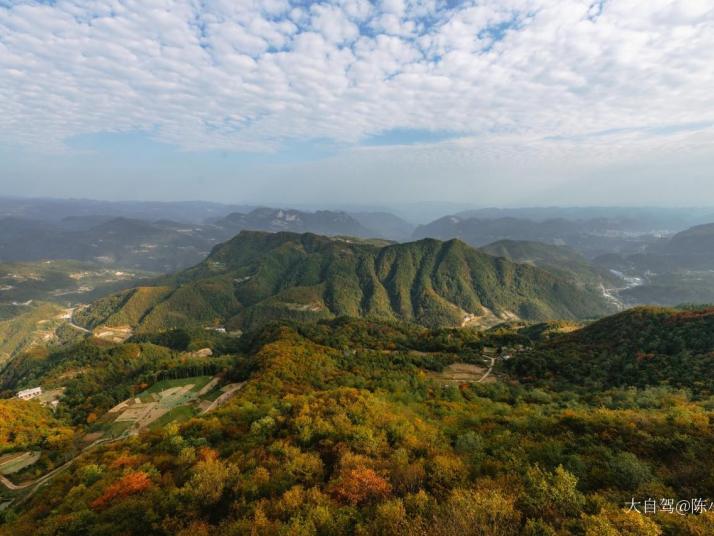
(70, 320)
(44, 478)
(230, 391)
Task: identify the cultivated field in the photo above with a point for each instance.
(458, 373)
(167, 401)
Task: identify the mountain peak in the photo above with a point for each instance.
(257, 276)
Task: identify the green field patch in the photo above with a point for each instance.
(197, 381)
(212, 395)
(116, 429)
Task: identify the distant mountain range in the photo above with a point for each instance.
(590, 238)
(274, 220)
(643, 255)
(692, 248)
(167, 245)
(326, 222)
(671, 271)
(55, 210)
(642, 219)
(160, 246)
(257, 277)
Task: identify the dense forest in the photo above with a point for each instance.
(349, 427)
(639, 347)
(27, 424)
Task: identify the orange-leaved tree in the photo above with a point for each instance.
(360, 485)
(130, 484)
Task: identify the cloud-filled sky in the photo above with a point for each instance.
(485, 102)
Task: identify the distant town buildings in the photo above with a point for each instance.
(29, 394)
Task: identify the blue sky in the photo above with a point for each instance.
(488, 102)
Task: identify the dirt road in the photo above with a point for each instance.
(488, 372)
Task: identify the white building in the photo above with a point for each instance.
(29, 394)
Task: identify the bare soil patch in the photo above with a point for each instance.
(458, 373)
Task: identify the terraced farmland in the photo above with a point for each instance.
(164, 402)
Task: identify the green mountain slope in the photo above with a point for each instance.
(257, 277)
(561, 261)
(639, 347)
(696, 242)
(32, 324)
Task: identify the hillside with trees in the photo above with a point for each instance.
(257, 277)
(561, 261)
(344, 427)
(28, 424)
(639, 347)
(35, 324)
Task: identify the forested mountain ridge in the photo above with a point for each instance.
(638, 347)
(697, 240)
(256, 277)
(561, 261)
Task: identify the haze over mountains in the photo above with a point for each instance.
(161, 237)
(639, 255)
(590, 231)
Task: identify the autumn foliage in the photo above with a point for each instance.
(25, 424)
(343, 427)
(126, 460)
(129, 484)
(360, 485)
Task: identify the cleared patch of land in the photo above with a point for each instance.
(225, 394)
(12, 463)
(458, 373)
(115, 334)
(197, 383)
(49, 397)
(486, 319)
(180, 413)
(162, 403)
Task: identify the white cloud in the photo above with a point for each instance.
(255, 75)
(333, 23)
